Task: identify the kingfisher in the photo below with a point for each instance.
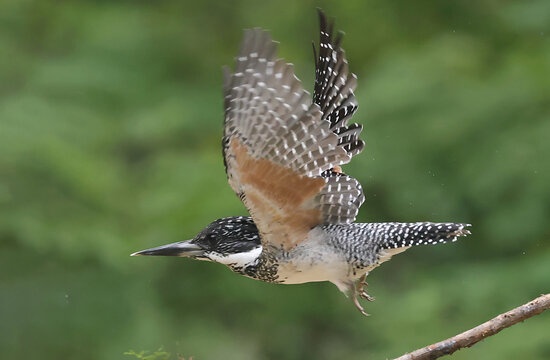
(283, 151)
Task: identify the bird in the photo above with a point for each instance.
(283, 150)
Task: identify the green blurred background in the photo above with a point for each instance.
(110, 127)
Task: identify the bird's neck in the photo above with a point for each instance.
(263, 268)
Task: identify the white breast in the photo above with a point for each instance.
(312, 261)
(299, 273)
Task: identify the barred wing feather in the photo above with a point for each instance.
(281, 150)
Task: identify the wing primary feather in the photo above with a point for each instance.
(283, 151)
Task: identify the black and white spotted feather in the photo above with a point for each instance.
(341, 198)
(334, 87)
(268, 110)
(369, 244)
(333, 92)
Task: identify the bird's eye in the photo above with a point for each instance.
(212, 241)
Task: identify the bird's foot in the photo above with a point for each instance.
(358, 291)
(361, 284)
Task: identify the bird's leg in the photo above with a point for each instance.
(355, 291)
(361, 284)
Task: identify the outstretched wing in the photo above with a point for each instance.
(282, 152)
(333, 92)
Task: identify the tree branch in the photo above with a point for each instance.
(489, 328)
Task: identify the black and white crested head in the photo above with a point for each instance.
(234, 238)
(232, 241)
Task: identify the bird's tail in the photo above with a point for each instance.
(398, 235)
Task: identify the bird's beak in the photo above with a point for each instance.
(182, 248)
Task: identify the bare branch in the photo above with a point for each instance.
(472, 336)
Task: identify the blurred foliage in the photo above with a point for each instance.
(110, 127)
(146, 355)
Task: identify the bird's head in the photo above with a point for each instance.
(233, 241)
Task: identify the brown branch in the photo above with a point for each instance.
(472, 336)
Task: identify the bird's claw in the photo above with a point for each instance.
(361, 284)
(359, 307)
(359, 291)
(363, 294)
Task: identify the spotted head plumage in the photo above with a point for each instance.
(233, 241)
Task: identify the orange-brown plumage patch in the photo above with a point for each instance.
(279, 200)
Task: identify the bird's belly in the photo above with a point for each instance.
(299, 271)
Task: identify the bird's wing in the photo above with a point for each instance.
(281, 151)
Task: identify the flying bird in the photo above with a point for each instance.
(282, 152)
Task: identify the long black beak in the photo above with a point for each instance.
(182, 248)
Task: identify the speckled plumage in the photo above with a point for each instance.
(282, 152)
(362, 246)
(363, 243)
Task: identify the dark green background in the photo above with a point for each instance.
(110, 127)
